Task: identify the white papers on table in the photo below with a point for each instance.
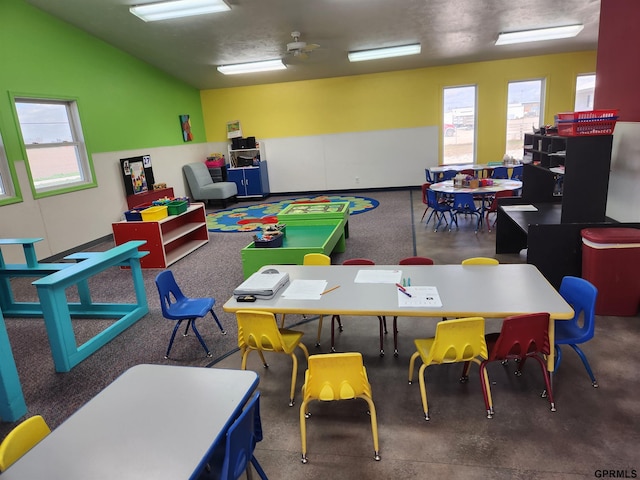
(378, 276)
(420, 297)
(305, 290)
(519, 208)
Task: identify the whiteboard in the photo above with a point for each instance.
(346, 161)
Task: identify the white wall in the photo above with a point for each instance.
(72, 219)
(623, 203)
(345, 161)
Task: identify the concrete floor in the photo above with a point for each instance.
(593, 434)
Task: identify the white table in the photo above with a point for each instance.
(152, 422)
(493, 291)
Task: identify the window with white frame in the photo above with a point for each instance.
(459, 126)
(54, 144)
(585, 89)
(525, 100)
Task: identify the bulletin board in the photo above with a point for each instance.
(137, 174)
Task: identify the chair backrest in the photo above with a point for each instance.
(448, 175)
(336, 376)
(581, 295)
(427, 174)
(463, 202)
(425, 188)
(170, 293)
(358, 261)
(501, 194)
(522, 334)
(432, 201)
(316, 259)
(458, 340)
(22, 439)
(242, 437)
(258, 330)
(198, 177)
(416, 261)
(480, 261)
(516, 173)
(500, 172)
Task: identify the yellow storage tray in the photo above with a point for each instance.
(153, 214)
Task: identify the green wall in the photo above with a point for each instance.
(124, 103)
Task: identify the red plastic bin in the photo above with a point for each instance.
(611, 261)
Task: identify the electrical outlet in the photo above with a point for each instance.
(357, 179)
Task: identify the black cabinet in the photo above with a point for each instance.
(573, 171)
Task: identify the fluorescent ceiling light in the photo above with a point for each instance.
(384, 53)
(253, 67)
(551, 33)
(151, 12)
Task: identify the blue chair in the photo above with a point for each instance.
(500, 172)
(175, 306)
(464, 204)
(516, 173)
(581, 295)
(428, 177)
(448, 175)
(439, 209)
(241, 441)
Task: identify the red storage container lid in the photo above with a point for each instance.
(611, 236)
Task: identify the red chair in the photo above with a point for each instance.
(382, 319)
(407, 261)
(416, 261)
(521, 337)
(493, 208)
(425, 187)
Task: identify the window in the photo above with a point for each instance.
(459, 128)
(585, 88)
(54, 144)
(524, 113)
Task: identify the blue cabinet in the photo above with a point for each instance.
(252, 181)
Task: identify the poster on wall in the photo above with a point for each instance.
(137, 174)
(233, 129)
(185, 124)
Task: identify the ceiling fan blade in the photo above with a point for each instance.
(310, 47)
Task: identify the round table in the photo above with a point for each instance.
(447, 187)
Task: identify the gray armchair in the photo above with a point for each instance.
(204, 188)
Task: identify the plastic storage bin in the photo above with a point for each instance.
(177, 207)
(611, 262)
(153, 214)
(592, 122)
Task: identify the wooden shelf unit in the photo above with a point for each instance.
(169, 239)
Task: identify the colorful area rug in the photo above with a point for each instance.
(251, 218)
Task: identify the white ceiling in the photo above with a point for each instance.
(450, 31)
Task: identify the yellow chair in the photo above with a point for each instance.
(319, 259)
(336, 376)
(480, 261)
(259, 331)
(22, 439)
(460, 340)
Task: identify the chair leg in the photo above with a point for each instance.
(258, 467)
(204, 345)
(319, 330)
(585, 362)
(173, 336)
(374, 427)
(294, 375)
(423, 391)
(215, 317)
(547, 381)
(303, 428)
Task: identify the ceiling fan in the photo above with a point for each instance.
(300, 49)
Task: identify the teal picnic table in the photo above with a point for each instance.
(310, 228)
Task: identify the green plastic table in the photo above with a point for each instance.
(319, 235)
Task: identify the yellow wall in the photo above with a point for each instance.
(405, 99)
